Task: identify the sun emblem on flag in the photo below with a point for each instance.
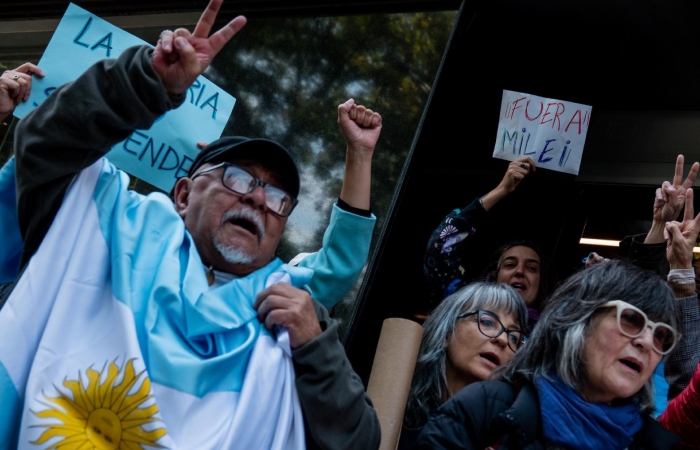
(106, 415)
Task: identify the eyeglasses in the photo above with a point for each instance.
(632, 322)
(491, 327)
(242, 182)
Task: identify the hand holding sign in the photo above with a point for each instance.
(515, 174)
(180, 56)
(15, 86)
(517, 170)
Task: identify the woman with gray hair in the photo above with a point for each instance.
(469, 334)
(583, 380)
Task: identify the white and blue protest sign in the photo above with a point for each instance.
(551, 132)
(159, 155)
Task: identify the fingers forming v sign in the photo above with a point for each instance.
(180, 56)
(670, 198)
(683, 186)
(681, 237)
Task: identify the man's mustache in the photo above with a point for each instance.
(248, 215)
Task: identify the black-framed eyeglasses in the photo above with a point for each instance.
(490, 326)
(242, 182)
(632, 322)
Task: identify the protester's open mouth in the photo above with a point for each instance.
(247, 220)
(518, 286)
(633, 364)
(245, 224)
(492, 357)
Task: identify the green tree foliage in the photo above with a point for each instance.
(289, 75)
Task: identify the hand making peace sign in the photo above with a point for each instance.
(180, 56)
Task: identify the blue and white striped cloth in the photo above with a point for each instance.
(111, 338)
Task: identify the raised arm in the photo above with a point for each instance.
(445, 262)
(181, 56)
(361, 128)
(515, 174)
(648, 251)
(348, 236)
(669, 200)
(681, 238)
(81, 120)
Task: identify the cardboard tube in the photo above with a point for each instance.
(392, 372)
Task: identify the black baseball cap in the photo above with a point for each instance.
(269, 153)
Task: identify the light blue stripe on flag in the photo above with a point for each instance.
(68, 340)
(11, 247)
(10, 411)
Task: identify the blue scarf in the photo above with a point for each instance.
(571, 422)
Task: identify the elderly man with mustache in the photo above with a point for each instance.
(147, 324)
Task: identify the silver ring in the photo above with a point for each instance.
(162, 33)
(523, 165)
(16, 77)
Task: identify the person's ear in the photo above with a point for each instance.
(181, 195)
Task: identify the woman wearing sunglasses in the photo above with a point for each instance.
(583, 380)
(468, 335)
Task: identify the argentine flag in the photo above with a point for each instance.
(112, 339)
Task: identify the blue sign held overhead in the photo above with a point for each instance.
(160, 154)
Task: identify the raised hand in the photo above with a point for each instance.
(670, 198)
(360, 126)
(594, 258)
(15, 86)
(180, 56)
(681, 237)
(516, 172)
(669, 201)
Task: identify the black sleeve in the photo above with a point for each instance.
(464, 422)
(351, 209)
(338, 414)
(76, 125)
(447, 257)
(646, 256)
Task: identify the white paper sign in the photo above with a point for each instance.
(551, 132)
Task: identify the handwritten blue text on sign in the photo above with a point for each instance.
(159, 155)
(551, 132)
